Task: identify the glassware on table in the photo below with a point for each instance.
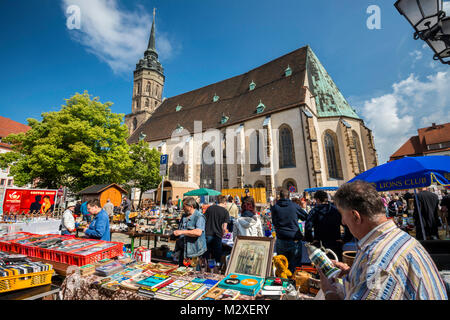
(187, 262)
(211, 264)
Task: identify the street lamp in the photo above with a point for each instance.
(430, 24)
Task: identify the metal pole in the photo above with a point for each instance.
(420, 216)
(162, 188)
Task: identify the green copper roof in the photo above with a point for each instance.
(329, 100)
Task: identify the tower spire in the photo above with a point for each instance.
(151, 42)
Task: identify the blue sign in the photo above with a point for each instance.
(163, 159)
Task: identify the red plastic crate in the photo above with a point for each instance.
(108, 253)
(64, 256)
(5, 245)
(33, 251)
(52, 254)
(17, 247)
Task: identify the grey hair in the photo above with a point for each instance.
(190, 201)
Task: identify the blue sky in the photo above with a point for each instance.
(389, 78)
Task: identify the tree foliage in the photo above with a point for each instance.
(145, 172)
(82, 144)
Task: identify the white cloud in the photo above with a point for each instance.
(117, 37)
(416, 54)
(412, 104)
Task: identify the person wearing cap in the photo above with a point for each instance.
(68, 224)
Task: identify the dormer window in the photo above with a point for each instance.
(224, 119)
(260, 108)
(178, 108)
(252, 86)
(216, 98)
(179, 128)
(288, 71)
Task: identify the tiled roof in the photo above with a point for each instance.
(417, 145)
(273, 88)
(8, 126)
(411, 147)
(437, 134)
(95, 189)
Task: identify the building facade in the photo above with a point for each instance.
(434, 140)
(283, 124)
(7, 127)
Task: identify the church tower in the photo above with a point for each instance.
(148, 85)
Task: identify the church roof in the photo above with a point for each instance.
(234, 99)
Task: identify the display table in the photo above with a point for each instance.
(36, 226)
(34, 293)
(146, 235)
(77, 287)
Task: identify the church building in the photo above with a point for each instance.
(282, 124)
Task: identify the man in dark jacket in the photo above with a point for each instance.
(428, 204)
(126, 208)
(285, 216)
(325, 220)
(445, 209)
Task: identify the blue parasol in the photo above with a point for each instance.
(321, 188)
(409, 173)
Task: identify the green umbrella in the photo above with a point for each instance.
(202, 192)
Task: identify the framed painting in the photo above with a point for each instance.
(251, 256)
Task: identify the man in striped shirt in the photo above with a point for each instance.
(389, 264)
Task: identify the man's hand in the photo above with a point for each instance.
(345, 268)
(328, 287)
(176, 233)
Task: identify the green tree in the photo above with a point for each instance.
(82, 144)
(145, 172)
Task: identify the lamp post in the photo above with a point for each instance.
(430, 24)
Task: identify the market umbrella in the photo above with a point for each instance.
(409, 173)
(321, 188)
(202, 192)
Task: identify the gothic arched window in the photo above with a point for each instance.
(147, 88)
(208, 169)
(332, 155)
(177, 169)
(259, 184)
(286, 147)
(135, 124)
(288, 184)
(147, 103)
(255, 141)
(359, 155)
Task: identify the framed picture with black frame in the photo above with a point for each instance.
(251, 256)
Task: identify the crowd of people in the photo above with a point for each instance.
(356, 213)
